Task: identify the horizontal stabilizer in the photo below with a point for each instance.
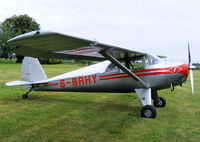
(15, 83)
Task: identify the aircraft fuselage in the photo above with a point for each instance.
(159, 76)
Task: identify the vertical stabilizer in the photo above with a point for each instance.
(32, 70)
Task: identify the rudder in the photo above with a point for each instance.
(32, 70)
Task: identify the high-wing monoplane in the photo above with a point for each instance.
(120, 70)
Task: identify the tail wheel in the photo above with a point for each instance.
(160, 103)
(148, 111)
(25, 96)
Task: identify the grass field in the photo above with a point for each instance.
(94, 117)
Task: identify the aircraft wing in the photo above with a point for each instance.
(55, 45)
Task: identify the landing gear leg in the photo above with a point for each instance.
(25, 96)
(158, 101)
(147, 111)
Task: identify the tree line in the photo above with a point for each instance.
(14, 26)
(11, 27)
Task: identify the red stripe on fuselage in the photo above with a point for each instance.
(53, 84)
(139, 71)
(143, 74)
(111, 75)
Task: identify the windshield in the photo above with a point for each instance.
(152, 59)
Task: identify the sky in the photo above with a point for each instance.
(161, 27)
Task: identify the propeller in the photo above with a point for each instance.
(190, 67)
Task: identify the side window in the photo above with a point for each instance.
(111, 67)
(138, 64)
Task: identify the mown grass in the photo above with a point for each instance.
(94, 117)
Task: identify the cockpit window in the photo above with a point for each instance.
(141, 62)
(111, 67)
(138, 64)
(151, 59)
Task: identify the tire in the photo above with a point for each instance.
(24, 96)
(148, 111)
(161, 103)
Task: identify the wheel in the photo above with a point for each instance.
(161, 103)
(148, 111)
(24, 96)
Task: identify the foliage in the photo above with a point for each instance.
(50, 61)
(42, 61)
(17, 25)
(5, 51)
(197, 66)
(83, 62)
(7, 61)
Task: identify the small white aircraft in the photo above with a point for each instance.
(121, 70)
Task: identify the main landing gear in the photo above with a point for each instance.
(145, 95)
(157, 101)
(25, 96)
(148, 111)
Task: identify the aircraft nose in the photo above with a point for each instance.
(184, 69)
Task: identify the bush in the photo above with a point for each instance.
(50, 61)
(83, 62)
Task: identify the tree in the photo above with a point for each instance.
(17, 25)
(5, 51)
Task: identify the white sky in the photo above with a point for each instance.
(157, 26)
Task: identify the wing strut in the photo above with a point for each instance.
(122, 67)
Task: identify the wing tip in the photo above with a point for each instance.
(30, 34)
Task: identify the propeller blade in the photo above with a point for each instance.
(189, 56)
(192, 81)
(190, 67)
